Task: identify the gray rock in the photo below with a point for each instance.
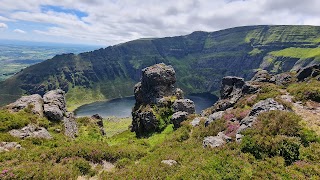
(70, 125)
(155, 89)
(232, 89)
(54, 105)
(169, 162)
(260, 107)
(35, 102)
(238, 137)
(99, 121)
(178, 117)
(8, 146)
(261, 76)
(282, 79)
(31, 131)
(215, 116)
(156, 82)
(185, 105)
(195, 122)
(309, 71)
(215, 141)
(144, 122)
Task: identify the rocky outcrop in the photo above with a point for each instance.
(8, 146)
(70, 125)
(278, 79)
(261, 76)
(215, 141)
(178, 117)
(157, 81)
(52, 106)
(185, 105)
(34, 102)
(55, 105)
(310, 71)
(156, 91)
(213, 117)
(31, 131)
(232, 89)
(260, 107)
(99, 121)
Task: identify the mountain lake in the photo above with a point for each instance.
(121, 107)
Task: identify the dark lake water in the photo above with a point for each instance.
(122, 107)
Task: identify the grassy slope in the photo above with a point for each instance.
(267, 151)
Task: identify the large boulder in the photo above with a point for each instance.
(309, 71)
(261, 76)
(215, 141)
(232, 89)
(70, 125)
(154, 97)
(55, 105)
(185, 105)
(144, 122)
(260, 107)
(31, 131)
(8, 146)
(157, 81)
(178, 117)
(34, 102)
(213, 117)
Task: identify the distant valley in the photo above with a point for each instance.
(17, 55)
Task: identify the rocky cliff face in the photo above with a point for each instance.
(201, 60)
(158, 102)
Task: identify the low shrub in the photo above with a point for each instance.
(304, 91)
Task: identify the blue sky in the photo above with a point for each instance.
(109, 22)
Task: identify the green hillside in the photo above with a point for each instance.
(200, 59)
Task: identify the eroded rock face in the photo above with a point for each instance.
(156, 91)
(178, 117)
(232, 89)
(55, 105)
(35, 102)
(185, 105)
(310, 71)
(70, 125)
(157, 81)
(31, 131)
(261, 76)
(144, 122)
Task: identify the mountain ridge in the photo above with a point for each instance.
(201, 59)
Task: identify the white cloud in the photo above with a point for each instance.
(112, 21)
(19, 31)
(3, 26)
(5, 19)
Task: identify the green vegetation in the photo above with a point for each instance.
(304, 91)
(301, 53)
(200, 59)
(278, 146)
